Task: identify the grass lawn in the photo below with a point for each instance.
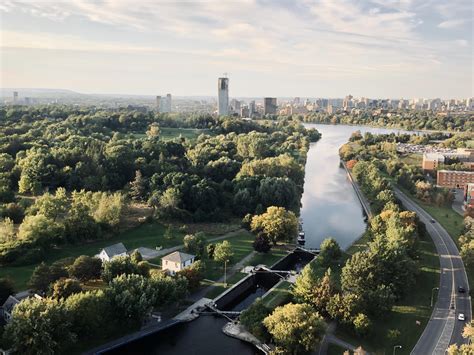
(146, 235)
(219, 286)
(168, 133)
(412, 159)
(279, 295)
(241, 246)
(269, 258)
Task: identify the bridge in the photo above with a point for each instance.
(225, 314)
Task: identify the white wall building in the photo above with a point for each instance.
(110, 252)
(176, 261)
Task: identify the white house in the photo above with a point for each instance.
(9, 305)
(176, 261)
(110, 252)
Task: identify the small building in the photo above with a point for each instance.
(176, 261)
(431, 161)
(454, 179)
(9, 305)
(112, 251)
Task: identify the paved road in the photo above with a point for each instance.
(443, 328)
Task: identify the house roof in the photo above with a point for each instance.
(115, 249)
(13, 300)
(178, 257)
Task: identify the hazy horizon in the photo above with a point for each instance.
(307, 48)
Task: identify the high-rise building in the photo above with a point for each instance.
(251, 108)
(168, 103)
(269, 105)
(223, 96)
(15, 97)
(158, 104)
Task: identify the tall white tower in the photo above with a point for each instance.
(223, 96)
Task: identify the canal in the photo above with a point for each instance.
(329, 208)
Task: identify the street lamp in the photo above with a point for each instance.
(432, 294)
(395, 348)
(225, 273)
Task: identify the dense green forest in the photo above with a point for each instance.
(67, 173)
(406, 119)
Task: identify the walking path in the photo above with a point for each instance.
(364, 202)
(235, 268)
(458, 202)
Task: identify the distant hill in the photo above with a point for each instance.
(37, 92)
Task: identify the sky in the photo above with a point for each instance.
(306, 48)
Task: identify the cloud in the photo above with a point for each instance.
(450, 24)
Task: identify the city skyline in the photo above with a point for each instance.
(375, 48)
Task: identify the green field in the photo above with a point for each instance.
(241, 246)
(269, 258)
(168, 133)
(147, 235)
(219, 286)
(279, 295)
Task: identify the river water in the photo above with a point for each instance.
(329, 208)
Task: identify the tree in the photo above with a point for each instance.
(194, 274)
(252, 319)
(41, 230)
(138, 187)
(277, 223)
(41, 278)
(295, 327)
(330, 252)
(86, 268)
(89, 313)
(131, 297)
(63, 288)
(51, 206)
(195, 244)
(210, 248)
(39, 326)
(223, 252)
(262, 243)
(305, 283)
(136, 257)
(322, 293)
(362, 324)
(7, 231)
(117, 266)
(6, 289)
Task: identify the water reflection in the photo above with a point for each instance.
(329, 205)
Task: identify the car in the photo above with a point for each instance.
(461, 317)
(432, 220)
(461, 289)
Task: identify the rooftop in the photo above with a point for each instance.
(178, 257)
(115, 249)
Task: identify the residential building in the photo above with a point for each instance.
(112, 251)
(176, 261)
(431, 161)
(167, 105)
(15, 97)
(269, 105)
(454, 179)
(223, 96)
(9, 305)
(252, 108)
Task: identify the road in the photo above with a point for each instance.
(443, 327)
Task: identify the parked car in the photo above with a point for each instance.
(461, 317)
(461, 289)
(432, 220)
